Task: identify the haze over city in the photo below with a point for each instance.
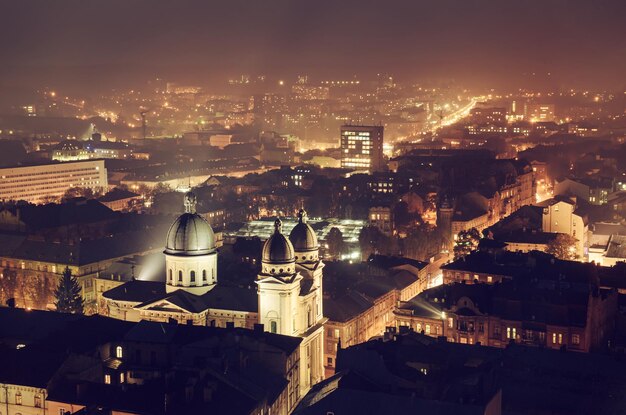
(477, 43)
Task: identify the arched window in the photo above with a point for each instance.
(171, 276)
(119, 352)
(193, 276)
(273, 326)
(180, 276)
(204, 275)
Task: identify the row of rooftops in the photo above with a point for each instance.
(41, 349)
(408, 373)
(533, 264)
(539, 302)
(356, 287)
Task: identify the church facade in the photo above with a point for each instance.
(287, 300)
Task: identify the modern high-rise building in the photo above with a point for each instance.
(362, 147)
(45, 182)
(540, 112)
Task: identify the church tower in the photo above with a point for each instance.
(308, 262)
(190, 253)
(290, 303)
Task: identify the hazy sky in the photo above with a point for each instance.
(198, 41)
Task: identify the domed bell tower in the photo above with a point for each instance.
(308, 263)
(290, 304)
(190, 253)
(278, 285)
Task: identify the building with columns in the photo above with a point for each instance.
(287, 299)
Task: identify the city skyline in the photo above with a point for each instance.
(288, 207)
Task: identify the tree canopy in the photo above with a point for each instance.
(466, 242)
(68, 294)
(563, 247)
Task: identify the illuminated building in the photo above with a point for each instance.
(74, 150)
(40, 183)
(305, 92)
(70, 150)
(540, 112)
(362, 148)
(365, 309)
(381, 217)
(288, 300)
(562, 215)
(491, 115)
(30, 110)
(594, 190)
(576, 316)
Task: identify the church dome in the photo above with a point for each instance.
(302, 235)
(277, 249)
(190, 234)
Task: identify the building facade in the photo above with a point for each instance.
(362, 148)
(561, 215)
(42, 183)
(494, 315)
(288, 298)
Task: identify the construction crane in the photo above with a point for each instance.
(142, 112)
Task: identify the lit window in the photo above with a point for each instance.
(511, 332)
(122, 378)
(107, 379)
(427, 331)
(119, 353)
(576, 339)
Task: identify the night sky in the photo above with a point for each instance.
(581, 43)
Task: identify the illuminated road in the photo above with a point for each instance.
(459, 114)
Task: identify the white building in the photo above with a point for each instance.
(288, 298)
(560, 215)
(42, 183)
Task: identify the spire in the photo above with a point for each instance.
(278, 226)
(302, 216)
(190, 202)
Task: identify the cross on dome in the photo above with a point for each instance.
(302, 216)
(190, 202)
(278, 226)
